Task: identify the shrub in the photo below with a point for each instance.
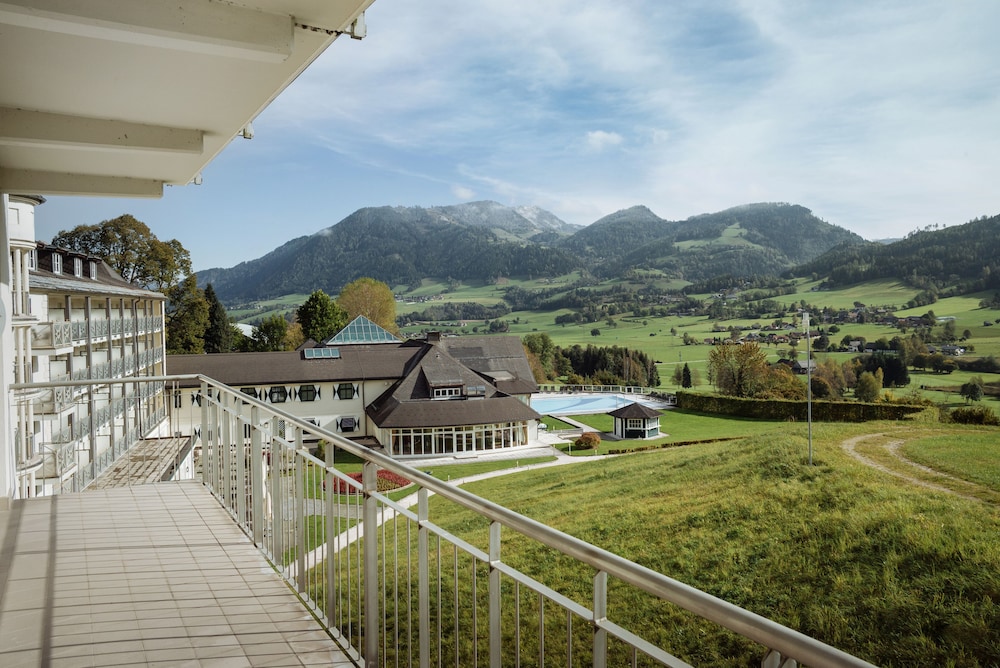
(588, 440)
(975, 415)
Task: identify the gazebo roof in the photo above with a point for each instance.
(635, 410)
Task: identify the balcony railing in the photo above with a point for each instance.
(395, 587)
(74, 332)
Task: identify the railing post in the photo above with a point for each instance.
(423, 580)
(600, 657)
(329, 493)
(369, 480)
(494, 595)
(278, 500)
(238, 446)
(256, 476)
(300, 511)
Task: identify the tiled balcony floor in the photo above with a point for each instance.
(149, 575)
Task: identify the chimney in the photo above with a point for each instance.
(433, 337)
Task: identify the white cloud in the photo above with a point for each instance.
(599, 140)
(462, 193)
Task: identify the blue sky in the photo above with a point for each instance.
(881, 117)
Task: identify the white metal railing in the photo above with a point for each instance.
(395, 588)
(137, 405)
(66, 333)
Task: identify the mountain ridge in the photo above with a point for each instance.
(486, 241)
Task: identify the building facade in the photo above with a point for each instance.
(441, 396)
(75, 320)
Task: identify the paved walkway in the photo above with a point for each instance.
(153, 575)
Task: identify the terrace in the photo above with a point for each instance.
(261, 565)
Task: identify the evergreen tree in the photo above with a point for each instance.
(219, 334)
(686, 377)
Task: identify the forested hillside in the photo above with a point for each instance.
(750, 240)
(963, 258)
(486, 241)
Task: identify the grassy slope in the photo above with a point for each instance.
(857, 558)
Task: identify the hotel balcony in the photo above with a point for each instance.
(260, 563)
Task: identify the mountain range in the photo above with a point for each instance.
(484, 241)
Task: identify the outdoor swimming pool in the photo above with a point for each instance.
(579, 404)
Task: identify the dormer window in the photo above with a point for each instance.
(93, 269)
(447, 392)
(78, 267)
(56, 263)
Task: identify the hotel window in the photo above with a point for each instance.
(446, 392)
(33, 259)
(93, 269)
(347, 424)
(277, 395)
(249, 391)
(345, 391)
(56, 263)
(78, 267)
(307, 393)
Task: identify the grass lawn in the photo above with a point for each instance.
(871, 564)
(679, 426)
(970, 454)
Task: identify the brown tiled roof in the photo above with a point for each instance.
(448, 412)
(500, 358)
(634, 411)
(359, 362)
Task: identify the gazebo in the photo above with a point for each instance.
(636, 421)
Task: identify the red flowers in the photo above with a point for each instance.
(387, 481)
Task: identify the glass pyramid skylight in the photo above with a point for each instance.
(361, 330)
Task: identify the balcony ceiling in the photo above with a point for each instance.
(114, 98)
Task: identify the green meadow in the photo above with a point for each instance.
(870, 563)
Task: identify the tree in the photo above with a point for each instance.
(738, 370)
(269, 335)
(972, 390)
(867, 389)
(372, 299)
(187, 317)
(686, 380)
(595, 332)
(543, 348)
(131, 249)
(321, 317)
(678, 375)
(219, 332)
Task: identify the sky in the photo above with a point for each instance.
(881, 117)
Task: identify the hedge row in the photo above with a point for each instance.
(669, 444)
(781, 409)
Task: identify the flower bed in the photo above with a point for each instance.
(387, 481)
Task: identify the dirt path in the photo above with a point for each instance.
(893, 448)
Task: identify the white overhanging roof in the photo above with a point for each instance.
(119, 97)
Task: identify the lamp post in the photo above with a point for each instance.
(809, 387)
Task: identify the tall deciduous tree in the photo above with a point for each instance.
(739, 370)
(219, 333)
(868, 388)
(321, 317)
(187, 317)
(131, 249)
(269, 335)
(372, 299)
